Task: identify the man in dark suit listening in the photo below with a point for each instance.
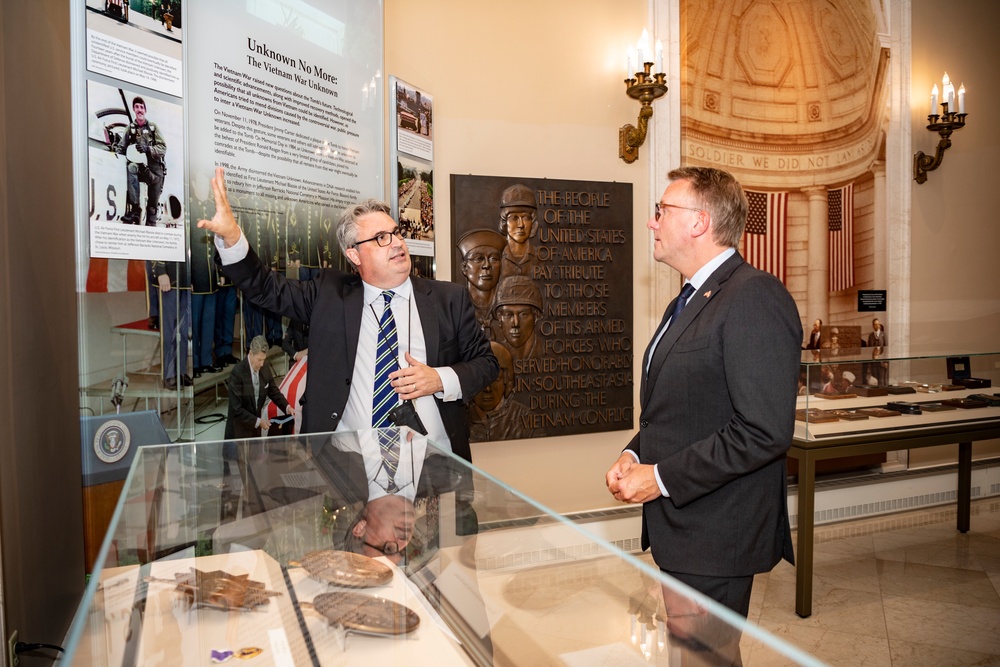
(718, 399)
(443, 357)
(250, 384)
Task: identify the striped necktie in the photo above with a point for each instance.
(384, 397)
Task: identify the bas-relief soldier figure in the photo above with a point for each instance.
(517, 306)
(517, 223)
(482, 250)
(148, 167)
(494, 413)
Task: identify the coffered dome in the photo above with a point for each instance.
(787, 89)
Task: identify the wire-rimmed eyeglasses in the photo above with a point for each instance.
(660, 206)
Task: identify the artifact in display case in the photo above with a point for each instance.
(904, 407)
(929, 374)
(292, 551)
(366, 614)
(219, 590)
(342, 568)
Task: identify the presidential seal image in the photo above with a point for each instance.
(111, 441)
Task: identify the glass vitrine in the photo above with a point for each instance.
(321, 550)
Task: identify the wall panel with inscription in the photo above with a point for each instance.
(548, 264)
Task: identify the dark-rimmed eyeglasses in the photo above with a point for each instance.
(389, 548)
(382, 238)
(660, 206)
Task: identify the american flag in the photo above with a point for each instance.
(116, 275)
(293, 387)
(764, 240)
(841, 226)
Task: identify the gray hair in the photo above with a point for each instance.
(722, 196)
(347, 226)
(259, 344)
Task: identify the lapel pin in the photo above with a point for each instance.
(708, 294)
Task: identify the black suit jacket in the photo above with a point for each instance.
(717, 417)
(332, 305)
(244, 407)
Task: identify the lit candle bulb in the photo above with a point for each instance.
(630, 59)
(659, 56)
(961, 99)
(645, 55)
(934, 96)
(948, 92)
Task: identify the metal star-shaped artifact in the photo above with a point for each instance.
(221, 590)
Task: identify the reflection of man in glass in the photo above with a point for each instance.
(877, 337)
(383, 528)
(144, 165)
(517, 223)
(494, 413)
(518, 307)
(481, 252)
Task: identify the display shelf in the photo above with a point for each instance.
(931, 376)
(489, 576)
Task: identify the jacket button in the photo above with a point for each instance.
(643, 423)
(348, 382)
(334, 416)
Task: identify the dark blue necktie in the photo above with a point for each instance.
(682, 300)
(384, 397)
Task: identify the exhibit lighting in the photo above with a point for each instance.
(643, 85)
(944, 124)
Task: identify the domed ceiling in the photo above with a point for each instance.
(785, 92)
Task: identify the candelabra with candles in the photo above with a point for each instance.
(644, 86)
(944, 124)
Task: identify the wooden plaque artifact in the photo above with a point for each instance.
(366, 613)
(343, 568)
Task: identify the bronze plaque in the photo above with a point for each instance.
(548, 265)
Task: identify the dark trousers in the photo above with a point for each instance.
(225, 320)
(713, 640)
(202, 328)
(175, 306)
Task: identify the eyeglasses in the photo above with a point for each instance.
(389, 548)
(660, 206)
(382, 238)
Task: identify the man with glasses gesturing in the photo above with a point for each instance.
(442, 357)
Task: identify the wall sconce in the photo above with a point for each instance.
(644, 86)
(944, 124)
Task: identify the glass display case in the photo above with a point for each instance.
(342, 550)
(852, 390)
(867, 401)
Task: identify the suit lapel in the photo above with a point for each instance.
(710, 289)
(354, 308)
(427, 308)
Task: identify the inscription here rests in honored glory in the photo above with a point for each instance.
(579, 379)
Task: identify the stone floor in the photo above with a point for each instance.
(906, 589)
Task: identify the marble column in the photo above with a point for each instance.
(818, 276)
(880, 230)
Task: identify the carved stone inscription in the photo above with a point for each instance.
(548, 265)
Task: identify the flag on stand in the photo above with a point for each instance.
(293, 386)
(116, 275)
(764, 239)
(841, 225)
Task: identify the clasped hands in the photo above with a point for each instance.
(632, 482)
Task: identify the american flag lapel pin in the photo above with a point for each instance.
(708, 294)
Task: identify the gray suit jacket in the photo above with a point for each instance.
(717, 418)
